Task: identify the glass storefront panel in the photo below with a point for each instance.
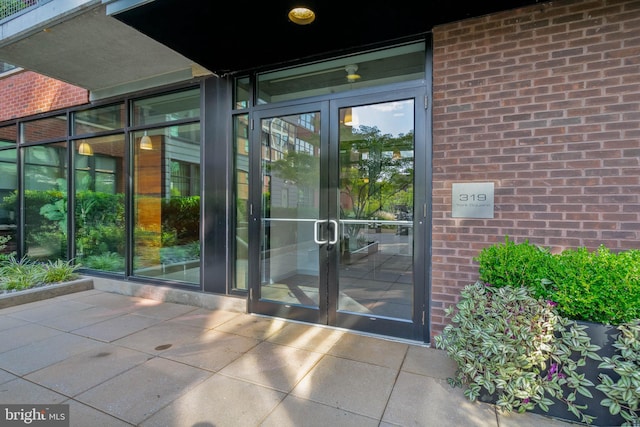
(45, 129)
(241, 191)
(399, 64)
(107, 118)
(242, 93)
(45, 201)
(8, 136)
(8, 201)
(99, 203)
(166, 204)
(165, 108)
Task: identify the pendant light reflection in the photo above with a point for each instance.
(84, 149)
(351, 118)
(145, 142)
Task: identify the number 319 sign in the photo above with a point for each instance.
(472, 200)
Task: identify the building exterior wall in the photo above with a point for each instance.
(541, 101)
(26, 93)
(544, 102)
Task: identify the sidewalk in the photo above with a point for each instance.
(119, 361)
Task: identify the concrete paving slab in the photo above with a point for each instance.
(423, 401)
(117, 327)
(298, 335)
(8, 322)
(138, 393)
(252, 326)
(430, 362)
(25, 334)
(81, 319)
(273, 365)
(6, 376)
(206, 319)
(19, 391)
(241, 404)
(81, 415)
(213, 351)
(121, 303)
(296, 412)
(346, 384)
(163, 310)
(28, 358)
(52, 310)
(83, 371)
(376, 351)
(160, 337)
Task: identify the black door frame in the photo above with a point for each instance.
(417, 328)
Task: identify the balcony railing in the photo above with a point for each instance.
(9, 9)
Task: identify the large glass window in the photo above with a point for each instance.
(173, 106)
(99, 203)
(107, 118)
(166, 204)
(399, 64)
(45, 129)
(241, 191)
(8, 201)
(45, 201)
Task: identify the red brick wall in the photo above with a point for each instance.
(544, 102)
(26, 93)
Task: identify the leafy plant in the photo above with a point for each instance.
(25, 273)
(3, 245)
(623, 394)
(598, 286)
(59, 271)
(108, 261)
(518, 348)
(20, 274)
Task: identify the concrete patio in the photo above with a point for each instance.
(121, 360)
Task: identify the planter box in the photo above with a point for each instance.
(603, 336)
(44, 292)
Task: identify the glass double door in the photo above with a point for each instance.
(334, 206)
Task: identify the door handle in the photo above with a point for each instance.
(316, 227)
(335, 232)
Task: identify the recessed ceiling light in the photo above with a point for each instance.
(302, 15)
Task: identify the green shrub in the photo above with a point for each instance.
(599, 286)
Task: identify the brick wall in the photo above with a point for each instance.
(26, 93)
(544, 102)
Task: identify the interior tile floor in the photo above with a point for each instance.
(120, 361)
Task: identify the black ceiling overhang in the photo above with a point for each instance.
(233, 37)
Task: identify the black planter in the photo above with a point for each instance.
(604, 337)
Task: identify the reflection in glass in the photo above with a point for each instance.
(45, 201)
(397, 64)
(45, 129)
(290, 168)
(8, 201)
(376, 209)
(99, 210)
(8, 136)
(165, 108)
(241, 190)
(110, 117)
(242, 93)
(166, 204)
